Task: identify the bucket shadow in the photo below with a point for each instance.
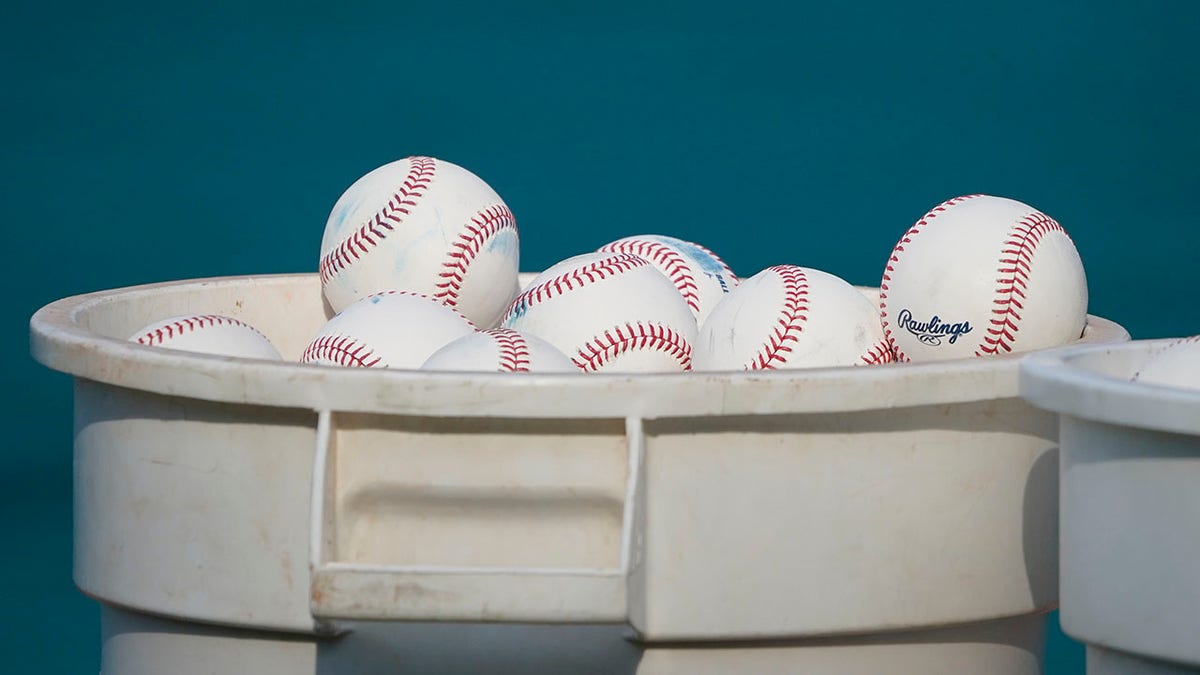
(1040, 531)
(468, 649)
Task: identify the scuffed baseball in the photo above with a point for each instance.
(1177, 365)
(501, 350)
(208, 334)
(980, 276)
(608, 312)
(788, 317)
(392, 329)
(701, 277)
(423, 225)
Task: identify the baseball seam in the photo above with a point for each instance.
(342, 350)
(576, 278)
(482, 227)
(190, 324)
(1016, 263)
(636, 336)
(514, 350)
(715, 257)
(792, 315)
(423, 296)
(376, 229)
(880, 353)
(1137, 376)
(895, 258)
(673, 265)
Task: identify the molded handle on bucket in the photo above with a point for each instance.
(342, 590)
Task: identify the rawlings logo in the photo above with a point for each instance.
(931, 332)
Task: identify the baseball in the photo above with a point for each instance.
(699, 275)
(980, 276)
(208, 334)
(608, 312)
(500, 350)
(423, 225)
(788, 317)
(1178, 365)
(392, 329)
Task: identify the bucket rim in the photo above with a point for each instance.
(1094, 382)
(60, 341)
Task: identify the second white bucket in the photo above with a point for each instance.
(1130, 507)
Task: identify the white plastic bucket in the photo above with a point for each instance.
(696, 508)
(1130, 515)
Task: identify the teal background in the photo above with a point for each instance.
(150, 143)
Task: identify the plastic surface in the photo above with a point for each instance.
(1005, 647)
(716, 506)
(1102, 661)
(136, 644)
(1130, 507)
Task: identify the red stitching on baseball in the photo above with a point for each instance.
(342, 350)
(483, 226)
(424, 296)
(1137, 376)
(791, 317)
(576, 278)
(377, 228)
(675, 266)
(514, 350)
(880, 353)
(714, 256)
(1016, 261)
(190, 324)
(415, 294)
(890, 268)
(630, 337)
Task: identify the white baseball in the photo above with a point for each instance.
(699, 275)
(611, 312)
(423, 225)
(1177, 365)
(208, 334)
(788, 317)
(392, 329)
(500, 350)
(980, 276)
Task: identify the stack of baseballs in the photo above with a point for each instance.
(419, 265)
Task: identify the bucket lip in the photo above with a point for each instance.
(1069, 381)
(59, 341)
